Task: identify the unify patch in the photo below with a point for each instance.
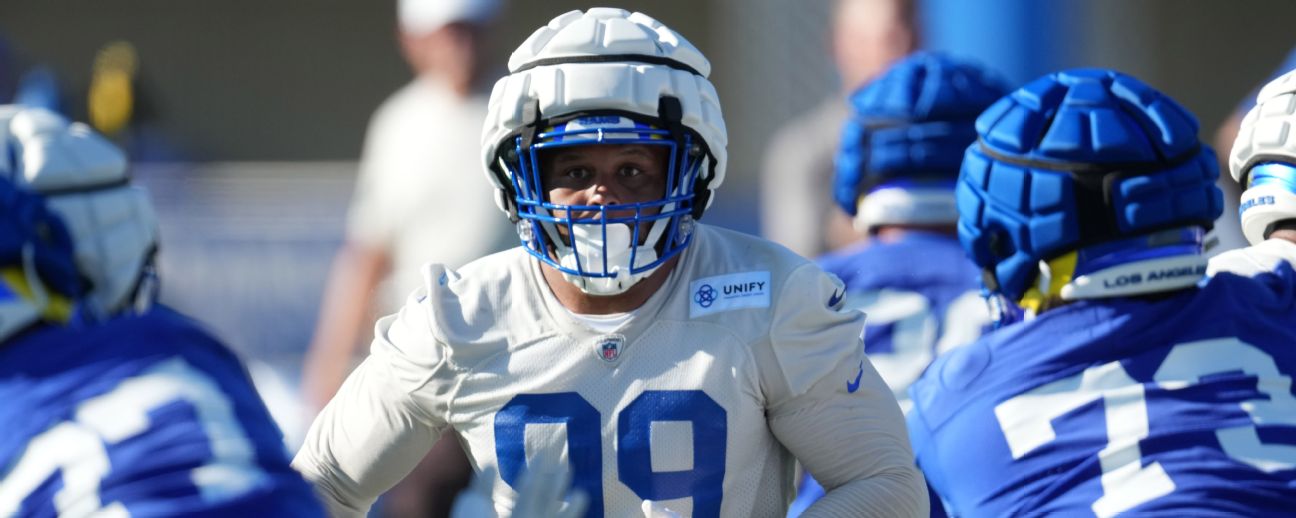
(726, 292)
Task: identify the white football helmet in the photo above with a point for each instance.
(587, 78)
(1263, 160)
(84, 180)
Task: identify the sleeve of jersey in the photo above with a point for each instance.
(831, 409)
(384, 418)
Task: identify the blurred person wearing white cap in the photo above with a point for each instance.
(418, 182)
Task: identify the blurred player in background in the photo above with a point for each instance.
(113, 406)
(1133, 386)
(1264, 160)
(895, 173)
(796, 211)
(417, 199)
(667, 365)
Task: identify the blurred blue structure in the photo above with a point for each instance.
(1022, 39)
(38, 88)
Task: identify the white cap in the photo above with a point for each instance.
(425, 16)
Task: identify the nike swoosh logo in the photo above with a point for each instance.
(836, 298)
(852, 386)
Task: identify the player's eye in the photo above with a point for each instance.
(578, 173)
(630, 171)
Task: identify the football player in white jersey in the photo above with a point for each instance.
(664, 364)
(1264, 161)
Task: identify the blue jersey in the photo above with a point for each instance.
(921, 295)
(142, 415)
(1182, 402)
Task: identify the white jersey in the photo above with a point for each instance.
(1262, 257)
(700, 402)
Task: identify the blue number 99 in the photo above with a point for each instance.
(704, 483)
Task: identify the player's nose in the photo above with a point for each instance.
(606, 190)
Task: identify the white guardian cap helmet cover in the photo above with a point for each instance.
(85, 180)
(1263, 160)
(605, 76)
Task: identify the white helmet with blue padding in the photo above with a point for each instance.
(1263, 159)
(1086, 184)
(85, 180)
(586, 78)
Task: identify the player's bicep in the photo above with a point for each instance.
(848, 432)
(830, 408)
(846, 427)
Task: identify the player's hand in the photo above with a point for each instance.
(540, 496)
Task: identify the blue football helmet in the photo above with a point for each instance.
(1085, 184)
(903, 143)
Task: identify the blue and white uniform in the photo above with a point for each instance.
(1130, 384)
(921, 295)
(142, 415)
(1183, 403)
(699, 402)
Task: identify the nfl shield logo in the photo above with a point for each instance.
(608, 347)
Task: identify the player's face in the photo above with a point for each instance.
(605, 174)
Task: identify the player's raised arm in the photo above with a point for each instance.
(830, 408)
(384, 418)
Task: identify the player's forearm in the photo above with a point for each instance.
(367, 438)
(896, 492)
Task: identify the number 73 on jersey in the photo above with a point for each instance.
(1027, 419)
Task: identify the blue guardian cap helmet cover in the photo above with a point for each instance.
(902, 145)
(1085, 184)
